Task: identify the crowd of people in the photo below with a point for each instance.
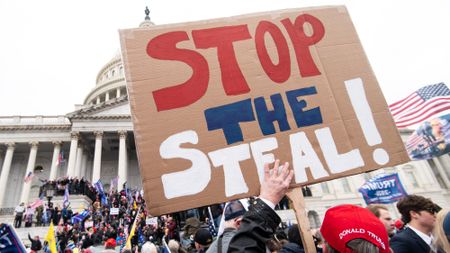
(425, 227)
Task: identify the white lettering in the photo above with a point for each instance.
(337, 163)
(258, 148)
(304, 156)
(229, 158)
(190, 181)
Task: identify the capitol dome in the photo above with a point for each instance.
(110, 82)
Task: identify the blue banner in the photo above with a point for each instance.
(9, 241)
(80, 217)
(383, 189)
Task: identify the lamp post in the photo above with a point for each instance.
(49, 192)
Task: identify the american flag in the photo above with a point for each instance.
(60, 159)
(66, 197)
(36, 204)
(421, 105)
(28, 177)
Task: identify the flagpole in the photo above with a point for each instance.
(133, 228)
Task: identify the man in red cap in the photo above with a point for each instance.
(353, 229)
(110, 246)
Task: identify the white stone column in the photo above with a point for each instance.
(97, 157)
(107, 96)
(30, 168)
(118, 92)
(72, 154)
(83, 165)
(54, 167)
(122, 159)
(98, 100)
(5, 171)
(77, 171)
(441, 171)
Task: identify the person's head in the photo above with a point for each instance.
(418, 212)
(149, 247)
(382, 213)
(192, 225)
(350, 228)
(173, 245)
(233, 213)
(442, 231)
(22, 204)
(110, 244)
(202, 239)
(294, 235)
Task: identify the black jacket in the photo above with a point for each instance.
(257, 226)
(408, 241)
(36, 245)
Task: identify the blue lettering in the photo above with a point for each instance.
(303, 118)
(227, 117)
(266, 118)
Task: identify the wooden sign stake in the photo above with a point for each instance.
(298, 201)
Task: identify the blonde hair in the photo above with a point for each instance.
(441, 241)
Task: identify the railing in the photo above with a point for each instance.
(7, 211)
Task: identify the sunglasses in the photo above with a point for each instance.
(431, 210)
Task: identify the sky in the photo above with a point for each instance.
(51, 51)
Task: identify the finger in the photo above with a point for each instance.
(275, 168)
(284, 170)
(289, 177)
(266, 171)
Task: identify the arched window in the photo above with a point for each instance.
(314, 220)
(113, 72)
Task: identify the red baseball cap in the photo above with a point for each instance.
(347, 222)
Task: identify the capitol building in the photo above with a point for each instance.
(96, 141)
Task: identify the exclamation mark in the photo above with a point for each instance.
(355, 90)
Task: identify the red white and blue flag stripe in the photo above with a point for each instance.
(422, 104)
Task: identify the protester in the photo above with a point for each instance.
(419, 214)
(174, 247)
(187, 237)
(350, 228)
(149, 247)
(441, 232)
(203, 240)
(295, 244)
(382, 213)
(36, 244)
(259, 223)
(110, 246)
(233, 213)
(18, 214)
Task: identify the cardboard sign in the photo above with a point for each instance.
(152, 221)
(114, 211)
(212, 101)
(88, 224)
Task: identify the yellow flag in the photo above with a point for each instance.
(133, 228)
(134, 205)
(50, 238)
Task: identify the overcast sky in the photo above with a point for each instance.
(51, 51)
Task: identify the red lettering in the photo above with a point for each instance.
(233, 80)
(163, 47)
(302, 42)
(278, 73)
